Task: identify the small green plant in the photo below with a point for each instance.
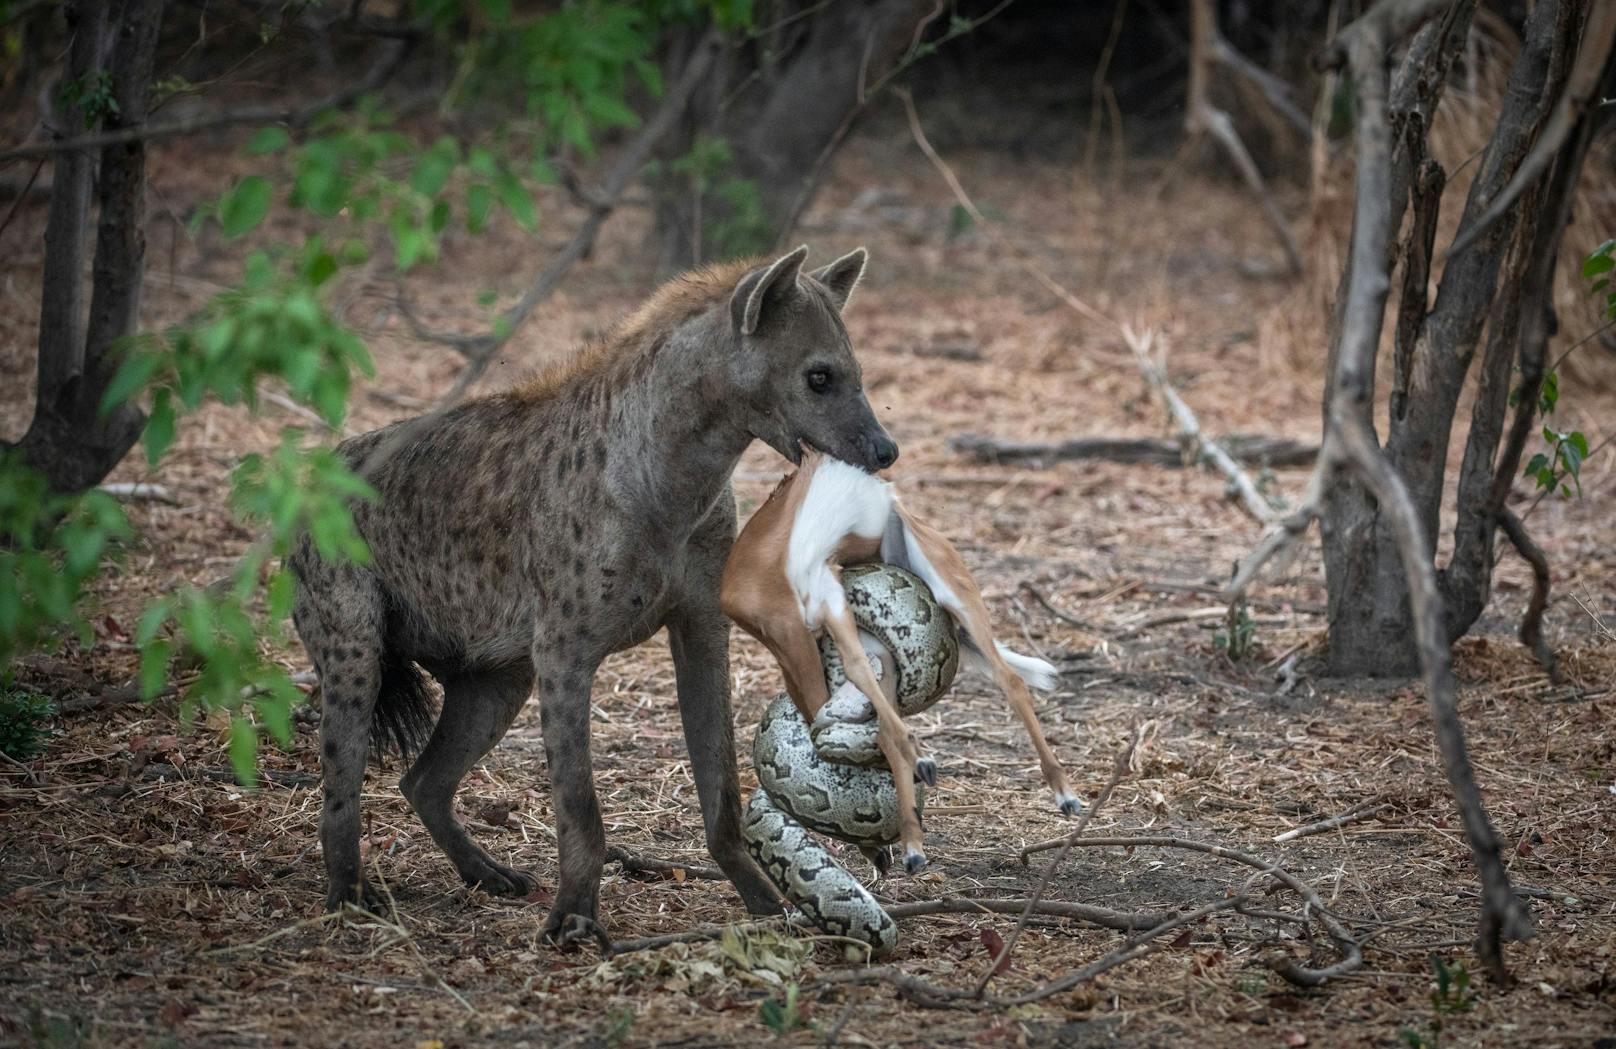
(1567, 450)
(1239, 633)
(1598, 267)
(93, 93)
(23, 728)
(1449, 997)
(618, 1023)
(784, 1015)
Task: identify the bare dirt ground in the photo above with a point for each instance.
(146, 900)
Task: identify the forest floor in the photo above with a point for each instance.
(145, 899)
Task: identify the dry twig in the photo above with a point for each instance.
(1362, 811)
(1346, 942)
(1118, 770)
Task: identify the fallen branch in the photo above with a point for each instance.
(1346, 942)
(1123, 921)
(1255, 503)
(1065, 617)
(1269, 451)
(1531, 633)
(160, 770)
(140, 491)
(1105, 917)
(1362, 811)
(633, 864)
(933, 996)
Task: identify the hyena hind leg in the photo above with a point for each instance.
(347, 654)
(477, 712)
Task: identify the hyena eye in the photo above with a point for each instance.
(818, 380)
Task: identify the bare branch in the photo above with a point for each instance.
(481, 349)
(1118, 770)
(1350, 443)
(1598, 35)
(1362, 811)
(296, 117)
(1201, 117)
(1346, 942)
(1532, 622)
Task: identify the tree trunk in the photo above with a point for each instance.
(780, 104)
(71, 441)
(1371, 622)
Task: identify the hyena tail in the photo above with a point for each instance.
(405, 711)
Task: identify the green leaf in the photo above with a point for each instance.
(244, 750)
(244, 206)
(268, 140)
(136, 371)
(1597, 263)
(154, 667)
(321, 269)
(431, 172)
(517, 200)
(159, 427)
(479, 202)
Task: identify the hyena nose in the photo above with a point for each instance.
(883, 451)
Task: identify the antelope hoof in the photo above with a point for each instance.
(914, 861)
(926, 772)
(1069, 804)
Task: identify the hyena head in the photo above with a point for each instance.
(794, 366)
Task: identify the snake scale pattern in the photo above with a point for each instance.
(830, 777)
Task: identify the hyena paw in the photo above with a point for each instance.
(499, 880)
(355, 893)
(570, 929)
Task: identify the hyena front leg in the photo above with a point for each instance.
(564, 683)
(341, 627)
(477, 712)
(700, 644)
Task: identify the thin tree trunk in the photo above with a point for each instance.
(1372, 623)
(1487, 475)
(70, 439)
(781, 104)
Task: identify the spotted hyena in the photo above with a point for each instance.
(522, 537)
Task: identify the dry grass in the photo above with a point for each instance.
(142, 902)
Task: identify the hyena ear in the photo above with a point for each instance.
(843, 275)
(765, 288)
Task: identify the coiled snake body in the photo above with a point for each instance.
(830, 777)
